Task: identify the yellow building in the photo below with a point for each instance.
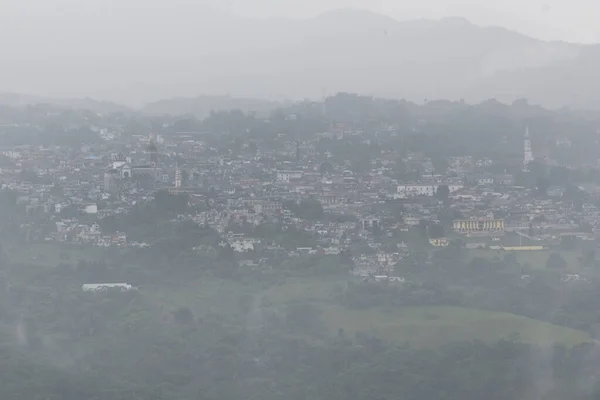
(478, 225)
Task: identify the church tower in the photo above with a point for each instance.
(527, 152)
(177, 178)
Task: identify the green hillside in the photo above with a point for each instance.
(421, 326)
(432, 326)
(535, 259)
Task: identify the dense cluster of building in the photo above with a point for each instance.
(376, 213)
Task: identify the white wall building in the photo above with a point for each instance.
(99, 287)
(287, 176)
(527, 151)
(419, 189)
(90, 209)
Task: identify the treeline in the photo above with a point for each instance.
(499, 284)
(437, 128)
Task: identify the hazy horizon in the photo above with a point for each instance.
(136, 52)
(571, 21)
(556, 20)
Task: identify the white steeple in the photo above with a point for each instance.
(527, 153)
(177, 177)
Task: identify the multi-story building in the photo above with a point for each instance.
(328, 199)
(439, 242)
(476, 225)
(370, 223)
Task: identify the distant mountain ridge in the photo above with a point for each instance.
(343, 50)
(201, 106)
(101, 107)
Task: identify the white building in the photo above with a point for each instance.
(422, 189)
(177, 178)
(90, 209)
(484, 180)
(287, 176)
(99, 287)
(411, 221)
(243, 245)
(527, 151)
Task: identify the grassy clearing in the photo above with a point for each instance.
(421, 326)
(51, 254)
(203, 297)
(536, 259)
(303, 289)
(434, 326)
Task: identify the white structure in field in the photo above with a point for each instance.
(527, 152)
(422, 189)
(90, 209)
(100, 287)
(382, 278)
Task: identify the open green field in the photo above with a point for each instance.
(304, 289)
(203, 296)
(536, 259)
(51, 254)
(433, 326)
(421, 326)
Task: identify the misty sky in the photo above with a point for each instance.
(132, 51)
(570, 20)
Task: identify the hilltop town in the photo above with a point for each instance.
(245, 255)
(353, 195)
(249, 200)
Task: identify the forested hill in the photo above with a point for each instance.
(101, 107)
(201, 106)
